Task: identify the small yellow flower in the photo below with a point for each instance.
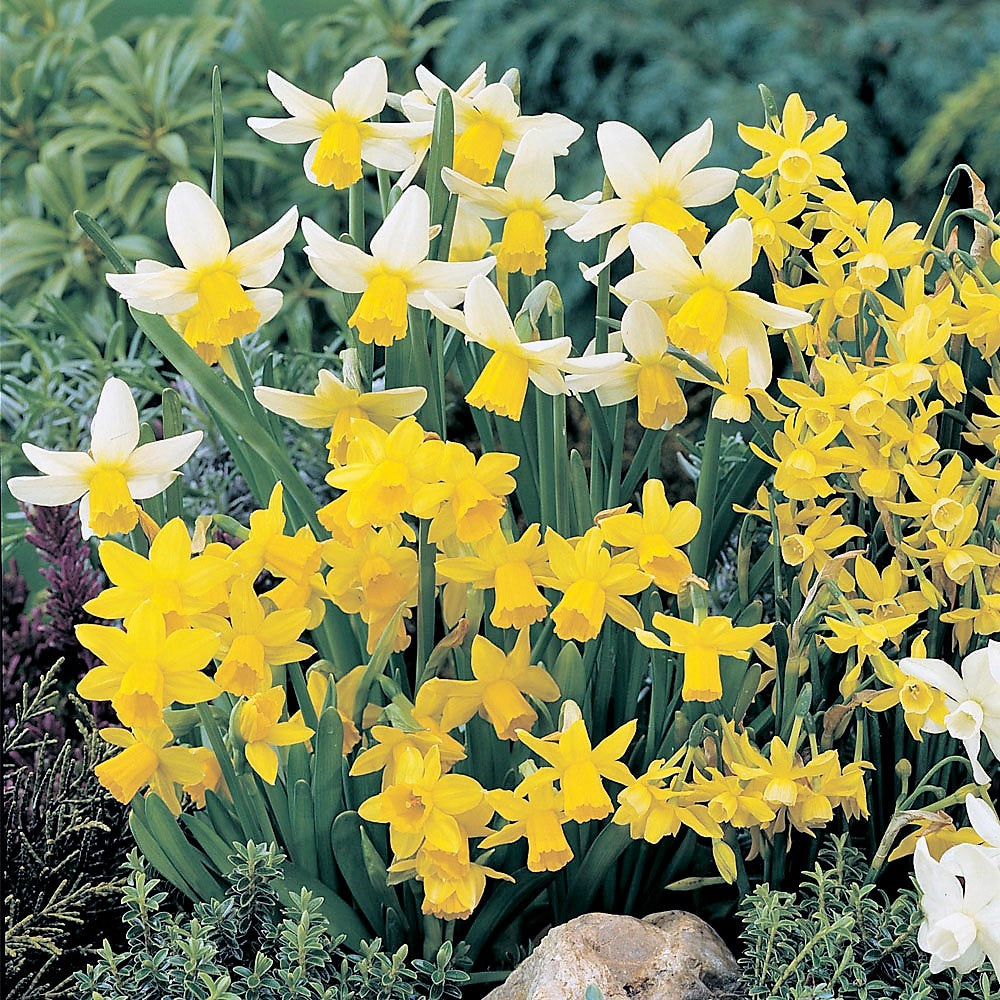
(346, 691)
(652, 809)
(258, 724)
(772, 229)
(211, 779)
(536, 812)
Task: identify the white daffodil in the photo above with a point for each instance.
(712, 318)
(972, 700)
(526, 201)
(658, 191)
(116, 471)
(339, 134)
(503, 384)
(218, 295)
(419, 105)
(395, 273)
(336, 403)
(650, 375)
(960, 897)
(984, 821)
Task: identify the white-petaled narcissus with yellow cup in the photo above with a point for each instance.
(498, 665)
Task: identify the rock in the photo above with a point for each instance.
(668, 956)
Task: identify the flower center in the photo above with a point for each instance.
(872, 270)
(522, 247)
(112, 509)
(664, 211)
(338, 155)
(795, 166)
(477, 150)
(700, 322)
(380, 317)
(661, 401)
(222, 314)
(502, 385)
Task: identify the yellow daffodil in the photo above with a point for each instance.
(980, 319)
(535, 810)
(113, 474)
(653, 190)
(809, 542)
(511, 569)
(939, 495)
(257, 722)
(498, 692)
(421, 804)
(702, 644)
(396, 273)
(339, 131)
(783, 777)
(143, 670)
(390, 745)
(345, 693)
(219, 293)
(211, 779)
(799, 160)
(453, 885)
(837, 293)
(526, 202)
(177, 583)
(337, 404)
(656, 535)
(772, 229)
(579, 766)
(253, 641)
(954, 551)
(731, 802)
(592, 583)
(878, 251)
(148, 758)
(712, 316)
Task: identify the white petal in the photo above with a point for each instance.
(642, 332)
(403, 240)
(549, 380)
(259, 260)
(440, 276)
(532, 174)
(660, 250)
(614, 389)
(267, 301)
(285, 130)
(485, 312)
(195, 227)
(560, 132)
(152, 285)
(601, 218)
(496, 101)
(937, 673)
(156, 458)
(727, 255)
(340, 265)
(744, 331)
(58, 463)
(153, 484)
(47, 491)
(448, 315)
(629, 160)
(489, 202)
(297, 102)
(775, 316)
(706, 187)
(682, 157)
(984, 821)
(114, 431)
(642, 286)
(362, 92)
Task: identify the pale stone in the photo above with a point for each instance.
(667, 956)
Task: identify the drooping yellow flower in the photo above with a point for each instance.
(939, 495)
(702, 643)
(421, 803)
(980, 320)
(258, 724)
(809, 541)
(535, 810)
(396, 273)
(143, 670)
(652, 809)
(339, 131)
(731, 802)
(593, 584)
(656, 535)
(512, 570)
(219, 294)
(954, 551)
(337, 404)
(878, 251)
(113, 474)
(838, 295)
(468, 497)
(390, 745)
(148, 758)
(346, 692)
(772, 229)
(498, 692)
(579, 766)
(799, 160)
(783, 776)
(211, 779)
(253, 641)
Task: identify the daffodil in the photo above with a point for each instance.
(593, 584)
(702, 643)
(878, 251)
(713, 318)
(799, 160)
(579, 766)
(526, 202)
(503, 383)
(653, 190)
(453, 885)
(396, 273)
(211, 779)
(652, 809)
(148, 758)
(177, 583)
(512, 570)
(730, 801)
(498, 691)
(656, 535)
(772, 229)
(345, 692)
(390, 745)
(954, 551)
(259, 726)
(218, 294)
(340, 133)
(113, 474)
(421, 804)
(783, 777)
(143, 670)
(535, 811)
(337, 403)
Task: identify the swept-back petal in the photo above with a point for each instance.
(403, 240)
(362, 91)
(727, 255)
(297, 102)
(259, 260)
(685, 154)
(341, 265)
(532, 174)
(58, 463)
(159, 457)
(47, 491)
(485, 312)
(285, 130)
(642, 332)
(658, 249)
(629, 160)
(600, 218)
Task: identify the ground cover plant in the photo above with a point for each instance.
(475, 684)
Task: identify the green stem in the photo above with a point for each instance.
(426, 606)
(708, 482)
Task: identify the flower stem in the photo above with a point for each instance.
(708, 482)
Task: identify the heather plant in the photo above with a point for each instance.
(479, 686)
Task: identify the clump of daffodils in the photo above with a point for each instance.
(513, 659)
